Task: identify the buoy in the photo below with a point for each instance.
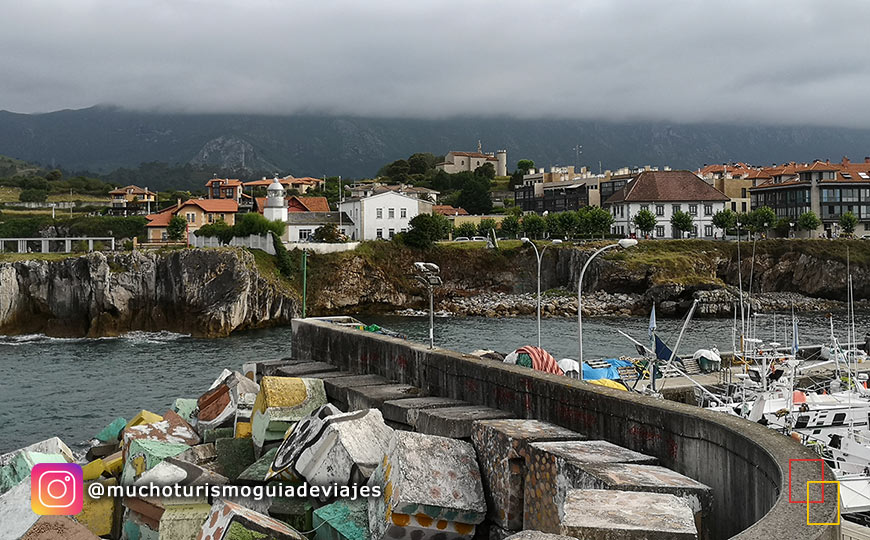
(796, 436)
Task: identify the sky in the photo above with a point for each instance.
(740, 61)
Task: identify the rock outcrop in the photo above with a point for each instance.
(201, 292)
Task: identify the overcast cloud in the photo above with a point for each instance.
(768, 61)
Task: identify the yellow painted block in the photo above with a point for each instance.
(243, 430)
(98, 514)
(144, 417)
(93, 470)
(280, 392)
(114, 464)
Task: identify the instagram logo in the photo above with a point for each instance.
(56, 489)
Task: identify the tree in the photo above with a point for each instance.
(255, 223)
(725, 220)
(177, 229)
(487, 170)
(474, 197)
(553, 225)
(848, 222)
(327, 233)
(485, 225)
(54, 176)
(419, 163)
(681, 221)
(645, 221)
(426, 229)
(33, 195)
(467, 229)
(525, 165)
(762, 219)
(398, 170)
(510, 225)
(782, 227)
(568, 223)
(533, 225)
(808, 221)
(599, 221)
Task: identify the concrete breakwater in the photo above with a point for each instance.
(200, 292)
(747, 466)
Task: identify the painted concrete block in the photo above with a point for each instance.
(144, 511)
(257, 471)
(93, 470)
(258, 369)
(183, 521)
(173, 471)
(234, 456)
(306, 369)
(342, 520)
(371, 397)
(114, 463)
(303, 434)
(52, 445)
(349, 449)
(405, 411)
(228, 520)
(145, 454)
(16, 516)
(203, 455)
(593, 514)
(102, 450)
(143, 417)
(281, 402)
(172, 429)
(211, 435)
(98, 515)
(186, 408)
(555, 467)
(296, 512)
(455, 422)
(19, 468)
(217, 407)
(112, 432)
(58, 528)
(651, 478)
(502, 448)
(536, 535)
(136, 526)
(242, 421)
(429, 484)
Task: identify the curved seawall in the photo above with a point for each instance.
(746, 464)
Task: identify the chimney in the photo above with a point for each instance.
(846, 160)
(827, 162)
(866, 159)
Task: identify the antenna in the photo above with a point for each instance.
(479, 147)
(577, 152)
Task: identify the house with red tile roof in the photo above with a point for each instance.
(224, 188)
(302, 185)
(196, 212)
(131, 200)
(663, 193)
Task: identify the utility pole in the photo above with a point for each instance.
(577, 152)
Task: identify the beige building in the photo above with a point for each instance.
(455, 162)
(196, 212)
(131, 199)
(734, 180)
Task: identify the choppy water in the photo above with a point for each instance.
(73, 387)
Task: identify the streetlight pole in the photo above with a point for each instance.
(430, 278)
(539, 256)
(625, 243)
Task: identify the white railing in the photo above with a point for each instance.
(23, 244)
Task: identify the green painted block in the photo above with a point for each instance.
(237, 531)
(212, 435)
(293, 511)
(257, 471)
(234, 456)
(185, 407)
(112, 432)
(145, 454)
(344, 520)
(19, 469)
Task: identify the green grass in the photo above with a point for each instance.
(9, 194)
(65, 197)
(14, 257)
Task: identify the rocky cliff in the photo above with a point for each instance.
(201, 292)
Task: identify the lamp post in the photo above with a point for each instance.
(428, 275)
(539, 255)
(625, 243)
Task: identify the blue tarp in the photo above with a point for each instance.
(663, 352)
(611, 372)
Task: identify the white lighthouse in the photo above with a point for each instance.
(276, 208)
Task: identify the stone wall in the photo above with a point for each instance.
(746, 464)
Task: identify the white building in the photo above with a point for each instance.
(301, 225)
(276, 208)
(384, 215)
(663, 193)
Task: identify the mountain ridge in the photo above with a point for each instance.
(103, 138)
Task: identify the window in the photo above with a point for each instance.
(660, 231)
(191, 217)
(210, 218)
(304, 235)
(676, 208)
(391, 213)
(379, 234)
(379, 213)
(164, 236)
(694, 231)
(660, 211)
(392, 233)
(743, 193)
(708, 209)
(403, 212)
(734, 206)
(743, 206)
(708, 230)
(644, 207)
(693, 209)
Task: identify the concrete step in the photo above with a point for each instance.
(455, 422)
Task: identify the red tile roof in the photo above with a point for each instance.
(159, 220)
(654, 186)
(226, 206)
(230, 182)
(136, 190)
(447, 210)
(314, 204)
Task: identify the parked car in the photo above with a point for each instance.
(461, 239)
(478, 239)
